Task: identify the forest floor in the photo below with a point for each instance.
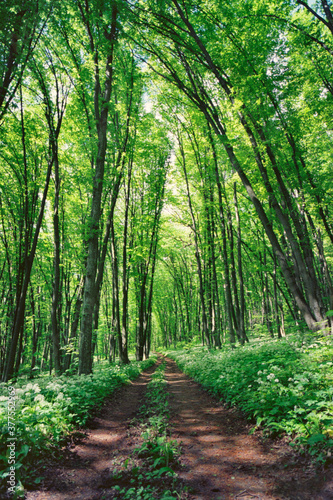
(219, 459)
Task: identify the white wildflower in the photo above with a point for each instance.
(39, 397)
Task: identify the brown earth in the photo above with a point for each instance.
(219, 459)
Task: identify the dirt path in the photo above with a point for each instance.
(220, 460)
(86, 468)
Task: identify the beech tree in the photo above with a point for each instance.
(102, 95)
(54, 121)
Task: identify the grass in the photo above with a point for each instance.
(285, 386)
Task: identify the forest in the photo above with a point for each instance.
(166, 185)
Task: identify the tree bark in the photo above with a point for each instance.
(240, 272)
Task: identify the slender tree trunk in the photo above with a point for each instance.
(115, 288)
(266, 296)
(276, 302)
(119, 169)
(227, 286)
(35, 331)
(101, 116)
(235, 303)
(19, 316)
(56, 267)
(74, 326)
(286, 269)
(240, 272)
(301, 248)
(124, 328)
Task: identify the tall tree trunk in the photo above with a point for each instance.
(115, 288)
(124, 328)
(74, 326)
(101, 117)
(235, 304)
(119, 173)
(276, 302)
(51, 111)
(227, 285)
(20, 308)
(56, 267)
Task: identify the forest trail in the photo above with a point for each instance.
(107, 444)
(219, 459)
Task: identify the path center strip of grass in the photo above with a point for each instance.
(150, 473)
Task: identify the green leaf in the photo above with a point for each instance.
(316, 438)
(23, 451)
(163, 470)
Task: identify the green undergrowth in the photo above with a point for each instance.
(285, 385)
(47, 410)
(150, 475)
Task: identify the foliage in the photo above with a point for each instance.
(50, 407)
(196, 93)
(285, 386)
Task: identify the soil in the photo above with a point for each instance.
(219, 459)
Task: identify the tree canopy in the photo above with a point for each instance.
(166, 176)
